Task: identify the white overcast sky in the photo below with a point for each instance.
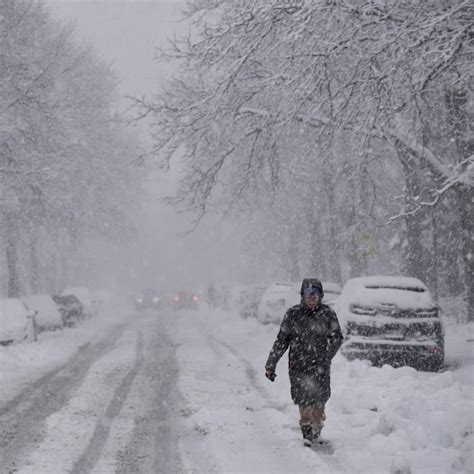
(126, 33)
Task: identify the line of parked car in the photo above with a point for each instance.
(385, 319)
(22, 319)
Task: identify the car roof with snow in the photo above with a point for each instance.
(404, 292)
(13, 315)
(81, 292)
(281, 287)
(48, 312)
(331, 287)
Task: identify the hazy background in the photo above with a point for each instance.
(163, 252)
(288, 198)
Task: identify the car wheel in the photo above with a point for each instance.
(436, 364)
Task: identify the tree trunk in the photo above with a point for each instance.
(291, 257)
(358, 259)
(13, 264)
(454, 281)
(435, 257)
(35, 275)
(334, 254)
(357, 187)
(457, 103)
(465, 198)
(317, 266)
(415, 256)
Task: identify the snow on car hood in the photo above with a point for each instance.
(404, 292)
(48, 313)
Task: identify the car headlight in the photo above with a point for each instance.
(139, 300)
(156, 299)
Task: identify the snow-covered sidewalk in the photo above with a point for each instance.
(379, 420)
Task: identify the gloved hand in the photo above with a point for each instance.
(270, 375)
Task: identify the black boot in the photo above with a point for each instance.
(307, 431)
(316, 431)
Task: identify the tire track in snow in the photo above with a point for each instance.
(92, 453)
(83, 356)
(153, 446)
(27, 394)
(22, 417)
(250, 371)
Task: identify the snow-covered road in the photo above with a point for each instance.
(106, 408)
(185, 392)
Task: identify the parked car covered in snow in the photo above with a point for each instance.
(248, 300)
(17, 322)
(332, 291)
(71, 309)
(276, 299)
(391, 320)
(221, 298)
(238, 297)
(83, 294)
(48, 316)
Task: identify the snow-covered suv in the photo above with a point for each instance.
(276, 299)
(391, 320)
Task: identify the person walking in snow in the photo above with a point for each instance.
(311, 331)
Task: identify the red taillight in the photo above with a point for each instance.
(195, 298)
(176, 298)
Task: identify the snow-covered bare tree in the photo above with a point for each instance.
(63, 154)
(259, 79)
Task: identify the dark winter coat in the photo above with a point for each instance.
(314, 337)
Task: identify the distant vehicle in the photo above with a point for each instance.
(17, 322)
(100, 299)
(332, 291)
(83, 294)
(71, 309)
(276, 299)
(392, 320)
(48, 316)
(238, 296)
(148, 299)
(186, 300)
(224, 297)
